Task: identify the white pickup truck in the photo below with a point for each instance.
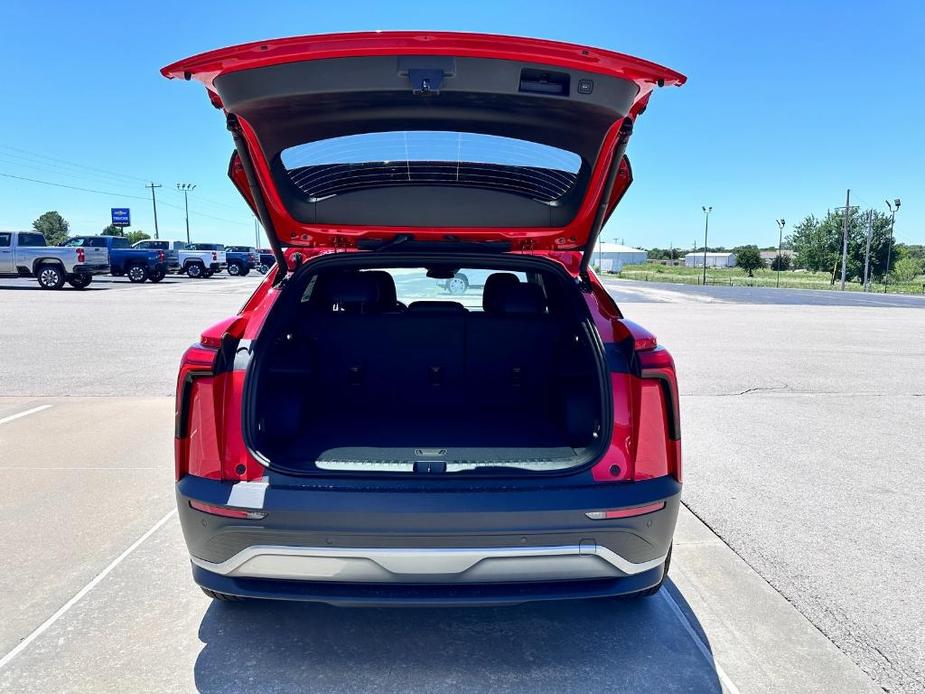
(25, 254)
(194, 259)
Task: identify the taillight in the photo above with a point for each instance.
(160, 256)
(214, 256)
(659, 445)
(195, 367)
(80, 255)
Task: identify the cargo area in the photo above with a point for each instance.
(356, 376)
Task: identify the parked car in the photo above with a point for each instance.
(138, 264)
(342, 440)
(461, 282)
(265, 260)
(26, 254)
(241, 259)
(203, 259)
(171, 251)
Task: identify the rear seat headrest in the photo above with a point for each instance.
(351, 288)
(388, 297)
(436, 307)
(523, 298)
(495, 285)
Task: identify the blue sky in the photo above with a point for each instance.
(787, 105)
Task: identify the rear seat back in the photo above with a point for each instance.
(436, 354)
(510, 349)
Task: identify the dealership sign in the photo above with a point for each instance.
(121, 217)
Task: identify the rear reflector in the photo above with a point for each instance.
(625, 512)
(227, 512)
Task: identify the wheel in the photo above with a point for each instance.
(137, 274)
(221, 597)
(50, 276)
(245, 272)
(262, 268)
(195, 270)
(235, 269)
(208, 273)
(79, 281)
(649, 592)
(156, 276)
(458, 285)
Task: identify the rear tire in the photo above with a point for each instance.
(79, 281)
(195, 270)
(50, 276)
(235, 269)
(137, 274)
(649, 592)
(156, 276)
(208, 273)
(222, 597)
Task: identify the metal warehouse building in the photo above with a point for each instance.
(713, 260)
(613, 256)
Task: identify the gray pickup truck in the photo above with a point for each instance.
(25, 254)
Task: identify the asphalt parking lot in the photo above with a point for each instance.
(801, 430)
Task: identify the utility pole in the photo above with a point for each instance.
(894, 208)
(844, 241)
(256, 234)
(870, 231)
(185, 188)
(706, 229)
(780, 246)
(152, 186)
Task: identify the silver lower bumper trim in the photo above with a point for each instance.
(428, 565)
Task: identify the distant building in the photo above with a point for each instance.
(770, 256)
(713, 260)
(613, 256)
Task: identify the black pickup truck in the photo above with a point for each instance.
(135, 263)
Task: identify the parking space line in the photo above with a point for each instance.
(728, 685)
(24, 414)
(44, 626)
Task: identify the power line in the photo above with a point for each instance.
(64, 185)
(121, 195)
(72, 163)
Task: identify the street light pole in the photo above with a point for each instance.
(706, 229)
(185, 188)
(256, 235)
(894, 208)
(780, 245)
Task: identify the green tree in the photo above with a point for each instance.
(53, 227)
(784, 262)
(112, 230)
(817, 244)
(136, 236)
(906, 269)
(749, 259)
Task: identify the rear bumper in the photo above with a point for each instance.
(87, 269)
(418, 547)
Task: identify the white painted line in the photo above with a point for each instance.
(728, 685)
(44, 626)
(13, 417)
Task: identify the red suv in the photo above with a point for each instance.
(358, 435)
